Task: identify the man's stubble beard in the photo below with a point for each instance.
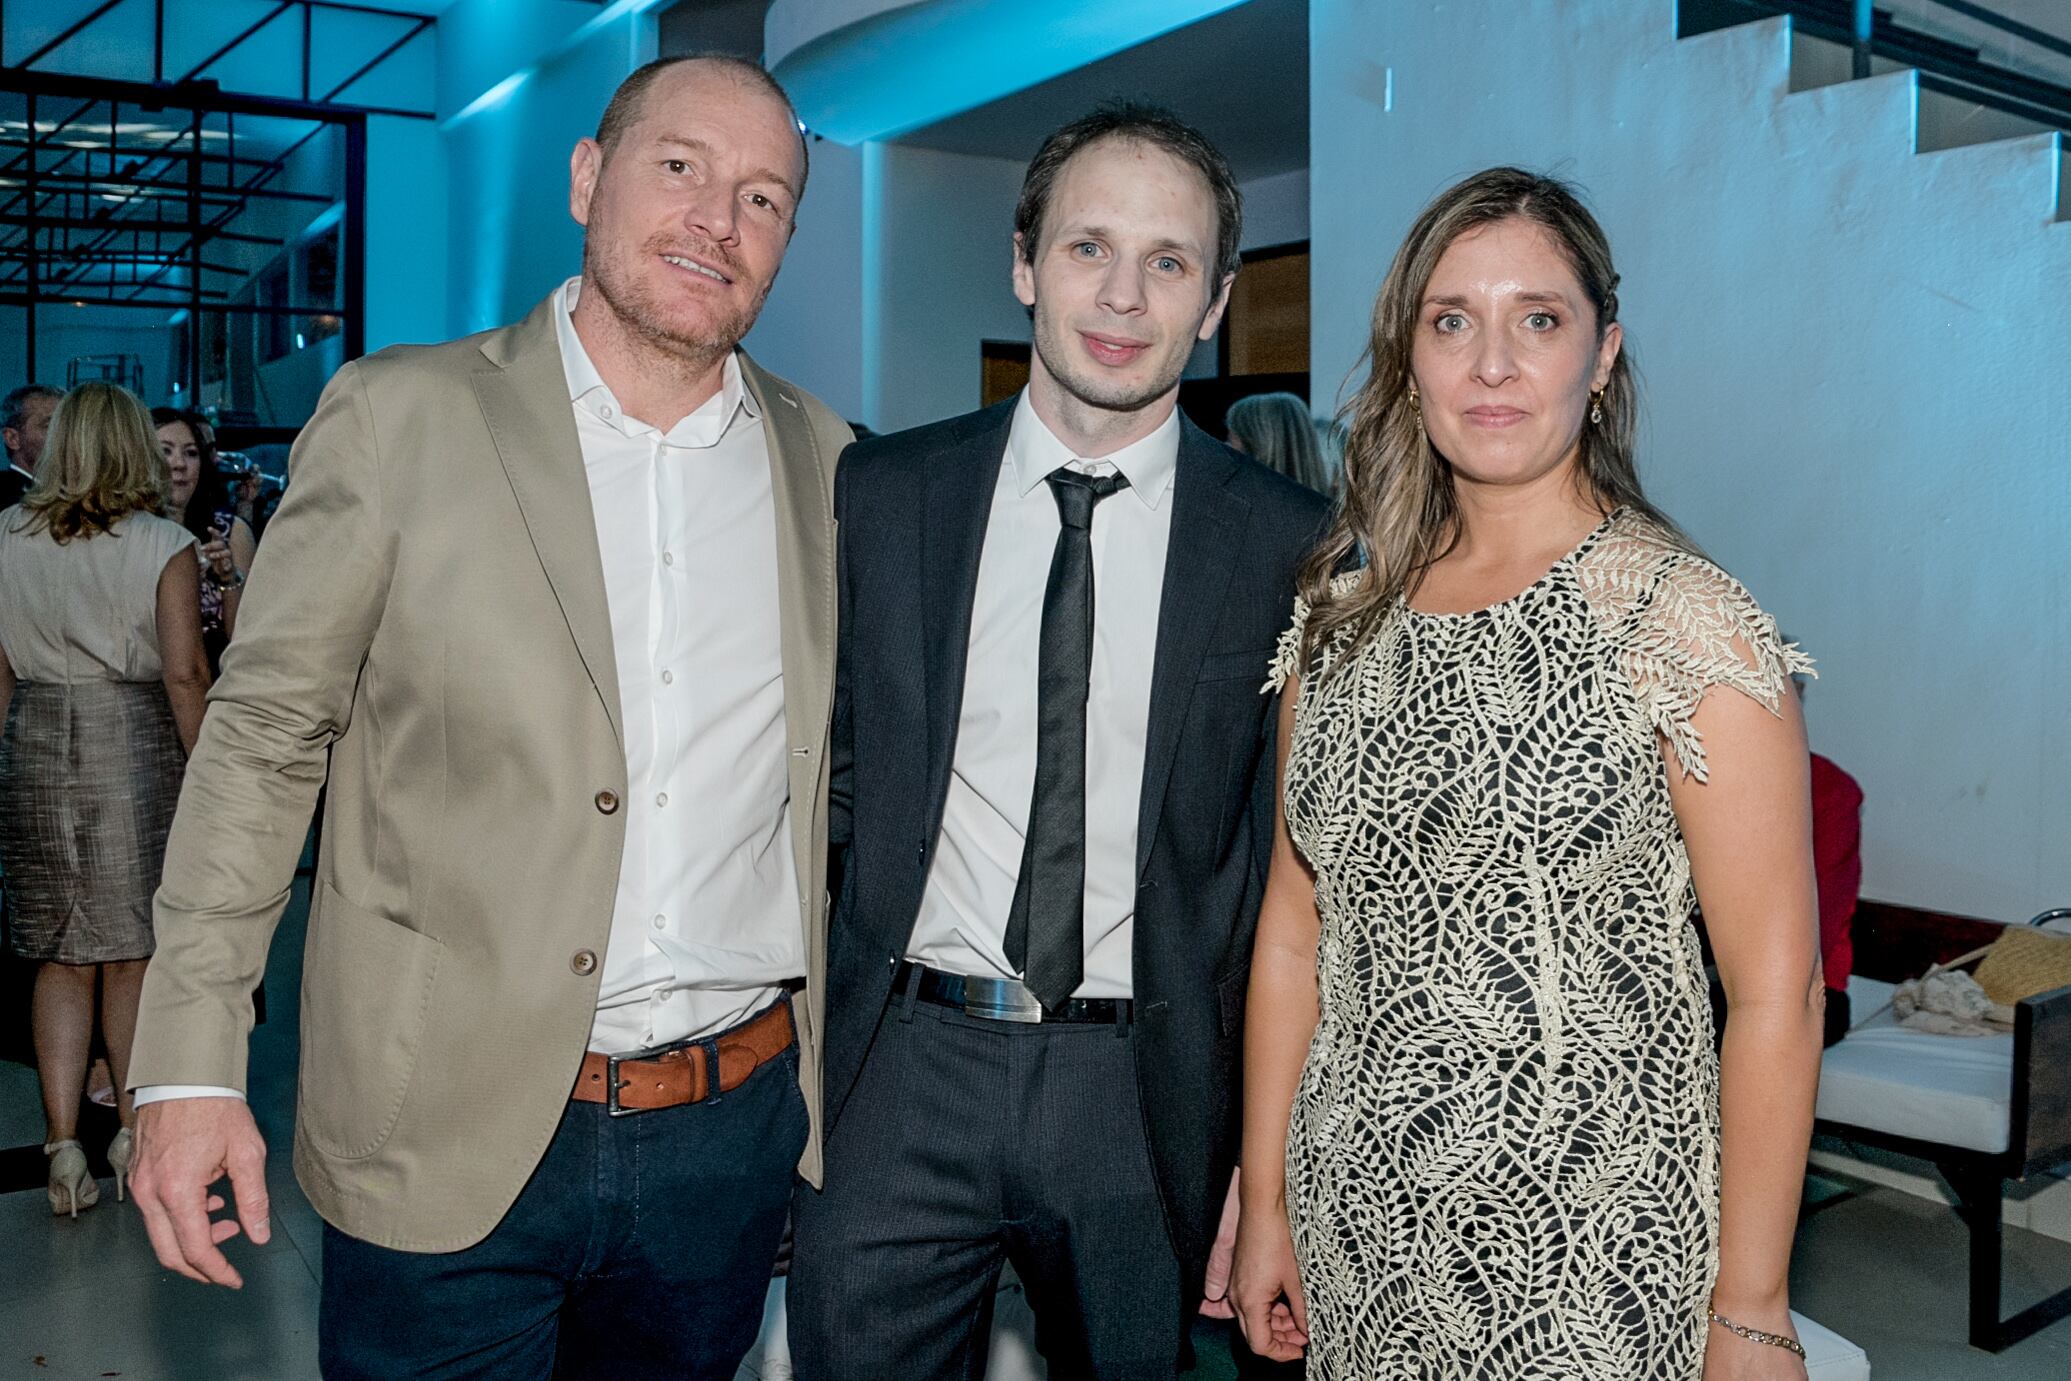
(642, 316)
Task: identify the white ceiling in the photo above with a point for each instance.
(1241, 77)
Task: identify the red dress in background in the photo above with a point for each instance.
(1837, 860)
(1837, 857)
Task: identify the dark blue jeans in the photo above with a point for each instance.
(641, 1247)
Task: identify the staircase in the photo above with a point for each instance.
(1962, 96)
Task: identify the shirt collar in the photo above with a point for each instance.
(1034, 451)
(587, 389)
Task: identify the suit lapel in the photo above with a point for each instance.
(524, 401)
(801, 483)
(959, 481)
(1207, 526)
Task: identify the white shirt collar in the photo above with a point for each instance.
(1034, 451)
(587, 389)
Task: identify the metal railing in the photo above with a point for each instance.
(1946, 67)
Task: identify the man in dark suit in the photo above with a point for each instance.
(24, 420)
(1050, 800)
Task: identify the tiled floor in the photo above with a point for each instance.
(86, 1300)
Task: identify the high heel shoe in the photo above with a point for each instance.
(121, 1151)
(71, 1186)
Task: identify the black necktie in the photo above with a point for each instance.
(1046, 929)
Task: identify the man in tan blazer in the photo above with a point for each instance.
(552, 610)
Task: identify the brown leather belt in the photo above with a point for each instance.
(644, 1083)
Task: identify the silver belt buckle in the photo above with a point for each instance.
(1001, 999)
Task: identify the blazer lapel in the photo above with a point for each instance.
(957, 507)
(801, 482)
(524, 401)
(1207, 525)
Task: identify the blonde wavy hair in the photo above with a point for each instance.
(1397, 510)
(100, 464)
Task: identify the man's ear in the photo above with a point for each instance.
(1024, 272)
(584, 167)
(1216, 308)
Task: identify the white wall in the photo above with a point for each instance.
(1853, 359)
(938, 242)
(811, 329)
(1276, 209)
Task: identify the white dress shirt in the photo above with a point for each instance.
(962, 925)
(704, 928)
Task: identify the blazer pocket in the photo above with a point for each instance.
(1229, 666)
(366, 999)
(1230, 991)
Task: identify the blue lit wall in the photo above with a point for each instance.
(876, 69)
(511, 239)
(1854, 361)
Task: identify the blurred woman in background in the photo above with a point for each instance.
(1277, 430)
(199, 498)
(102, 680)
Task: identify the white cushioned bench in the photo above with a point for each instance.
(1981, 1109)
(1950, 1090)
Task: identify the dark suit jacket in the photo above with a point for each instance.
(912, 511)
(13, 484)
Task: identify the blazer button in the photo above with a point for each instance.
(607, 802)
(584, 963)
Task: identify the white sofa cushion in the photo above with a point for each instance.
(1950, 1090)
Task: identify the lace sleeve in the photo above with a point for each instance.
(1287, 656)
(1683, 626)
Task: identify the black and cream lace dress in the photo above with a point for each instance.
(1503, 1155)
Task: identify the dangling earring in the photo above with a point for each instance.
(1596, 407)
(1414, 406)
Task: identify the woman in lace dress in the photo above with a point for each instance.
(1526, 728)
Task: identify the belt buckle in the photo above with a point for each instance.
(1001, 999)
(612, 1084)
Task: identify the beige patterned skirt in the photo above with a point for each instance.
(89, 775)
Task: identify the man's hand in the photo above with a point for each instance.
(1215, 1299)
(184, 1145)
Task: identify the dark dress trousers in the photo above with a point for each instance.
(912, 511)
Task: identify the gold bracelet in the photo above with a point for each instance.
(1756, 1335)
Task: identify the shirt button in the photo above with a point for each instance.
(583, 963)
(661, 922)
(661, 798)
(604, 411)
(668, 558)
(668, 678)
(607, 802)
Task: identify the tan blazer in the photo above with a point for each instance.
(428, 614)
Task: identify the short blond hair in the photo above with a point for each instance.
(100, 464)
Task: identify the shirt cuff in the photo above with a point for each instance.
(158, 1093)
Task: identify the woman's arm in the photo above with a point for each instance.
(225, 563)
(179, 643)
(1749, 832)
(1280, 1020)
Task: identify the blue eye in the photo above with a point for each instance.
(1542, 321)
(1167, 263)
(1449, 323)
(1085, 249)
